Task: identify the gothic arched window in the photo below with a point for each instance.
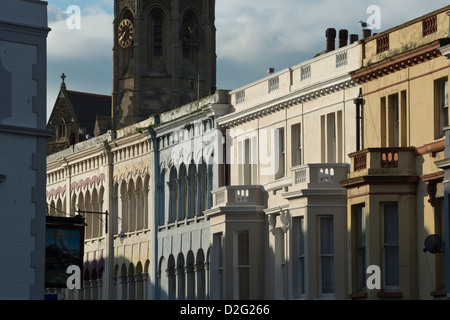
(191, 33)
(61, 130)
(173, 190)
(157, 33)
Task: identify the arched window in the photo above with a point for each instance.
(182, 193)
(202, 188)
(163, 279)
(173, 189)
(171, 283)
(95, 220)
(191, 33)
(115, 209)
(139, 204)
(132, 206)
(181, 278)
(89, 217)
(201, 275)
(190, 276)
(61, 130)
(123, 209)
(163, 207)
(157, 33)
(192, 190)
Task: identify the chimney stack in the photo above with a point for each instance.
(354, 38)
(343, 38)
(366, 33)
(331, 39)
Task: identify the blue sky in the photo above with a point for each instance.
(252, 35)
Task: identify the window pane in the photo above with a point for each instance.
(157, 35)
(279, 166)
(243, 248)
(326, 231)
(301, 275)
(361, 241)
(243, 265)
(244, 279)
(327, 274)
(326, 252)
(300, 257)
(391, 268)
(391, 260)
(445, 93)
(390, 224)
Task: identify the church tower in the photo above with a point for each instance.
(164, 56)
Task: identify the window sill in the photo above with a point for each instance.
(389, 294)
(359, 295)
(438, 293)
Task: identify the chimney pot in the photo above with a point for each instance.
(343, 38)
(331, 39)
(353, 38)
(366, 33)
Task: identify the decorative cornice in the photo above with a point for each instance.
(398, 62)
(431, 180)
(379, 180)
(433, 148)
(88, 182)
(435, 176)
(297, 97)
(445, 51)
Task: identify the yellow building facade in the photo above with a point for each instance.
(394, 189)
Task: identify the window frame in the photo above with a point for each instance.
(322, 255)
(300, 256)
(281, 153)
(296, 144)
(443, 105)
(385, 272)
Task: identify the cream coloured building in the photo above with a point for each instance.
(395, 190)
(278, 227)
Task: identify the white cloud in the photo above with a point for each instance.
(254, 29)
(93, 39)
(84, 55)
(252, 35)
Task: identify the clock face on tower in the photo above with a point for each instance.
(125, 33)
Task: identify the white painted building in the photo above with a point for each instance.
(154, 179)
(280, 226)
(23, 137)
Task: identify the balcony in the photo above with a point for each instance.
(318, 176)
(381, 163)
(238, 196)
(319, 180)
(242, 200)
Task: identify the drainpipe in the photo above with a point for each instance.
(359, 103)
(156, 203)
